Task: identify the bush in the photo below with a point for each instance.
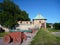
(47, 25)
(56, 26)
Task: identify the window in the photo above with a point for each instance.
(27, 22)
(39, 21)
(21, 22)
(30, 22)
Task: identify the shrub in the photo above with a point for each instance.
(56, 25)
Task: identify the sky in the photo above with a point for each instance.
(50, 9)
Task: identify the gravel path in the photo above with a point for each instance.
(29, 39)
(25, 42)
(56, 33)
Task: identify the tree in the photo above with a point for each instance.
(48, 25)
(10, 13)
(56, 25)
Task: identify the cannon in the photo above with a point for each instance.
(15, 36)
(13, 30)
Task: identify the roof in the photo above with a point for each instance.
(39, 16)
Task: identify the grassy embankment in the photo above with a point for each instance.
(44, 37)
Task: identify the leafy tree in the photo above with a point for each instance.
(10, 13)
(56, 25)
(48, 25)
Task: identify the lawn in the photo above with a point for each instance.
(2, 34)
(44, 37)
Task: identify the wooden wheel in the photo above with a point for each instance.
(6, 39)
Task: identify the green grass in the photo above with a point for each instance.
(44, 37)
(2, 34)
(53, 30)
(58, 39)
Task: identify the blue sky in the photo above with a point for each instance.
(50, 9)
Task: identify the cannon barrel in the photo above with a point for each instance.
(13, 30)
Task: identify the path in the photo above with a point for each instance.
(29, 39)
(56, 33)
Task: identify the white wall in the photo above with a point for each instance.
(25, 27)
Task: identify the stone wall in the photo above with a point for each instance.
(24, 25)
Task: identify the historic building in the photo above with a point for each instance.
(39, 21)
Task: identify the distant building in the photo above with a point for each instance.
(51, 25)
(39, 21)
(4, 29)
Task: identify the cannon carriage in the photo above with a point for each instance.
(17, 36)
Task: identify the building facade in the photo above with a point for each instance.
(39, 21)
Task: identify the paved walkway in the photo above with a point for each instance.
(25, 42)
(56, 33)
(29, 39)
